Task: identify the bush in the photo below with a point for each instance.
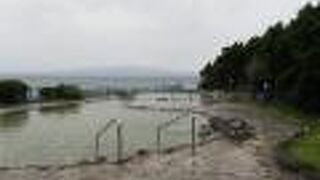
(61, 92)
(13, 92)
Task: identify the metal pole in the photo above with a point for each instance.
(159, 140)
(193, 136)
(119, 142)
(97, 146)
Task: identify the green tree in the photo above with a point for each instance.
(61, 92)
(13, 91)
(285, 55)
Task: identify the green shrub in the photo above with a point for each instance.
(13, 91)
(61, 92)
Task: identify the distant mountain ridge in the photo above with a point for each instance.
(121, 72)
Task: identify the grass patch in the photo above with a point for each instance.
(306, 149)
(303, 151)
(282, 112)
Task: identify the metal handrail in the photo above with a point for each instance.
(172, 121)
(101, 132)
(167, 124)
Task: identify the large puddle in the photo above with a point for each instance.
(66, 135)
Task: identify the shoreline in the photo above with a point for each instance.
(38, 106)
(256, 155)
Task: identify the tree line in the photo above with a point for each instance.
(286, 58)
(17, 91)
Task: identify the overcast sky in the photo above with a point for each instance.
(47, 35)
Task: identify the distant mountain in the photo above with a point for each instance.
(121, 72)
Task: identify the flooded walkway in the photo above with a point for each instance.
(220, 159)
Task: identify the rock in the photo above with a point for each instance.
(236, 129)
(143, 152)
(236, 123)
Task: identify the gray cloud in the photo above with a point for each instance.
(38, 35)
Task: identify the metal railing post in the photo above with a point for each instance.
(119, 142)
(166, 125)
(193, 136)
(97, 147)
(159, 140)
(99, 134)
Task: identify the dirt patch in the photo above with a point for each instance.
(236, 129)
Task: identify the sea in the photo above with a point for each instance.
(125, 83)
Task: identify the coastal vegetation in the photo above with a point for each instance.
(280, 66)
(285, 59)
(61, 92)
(16, 92)
(307, 149)
(13, 92)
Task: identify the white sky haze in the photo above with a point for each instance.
(48, 35)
